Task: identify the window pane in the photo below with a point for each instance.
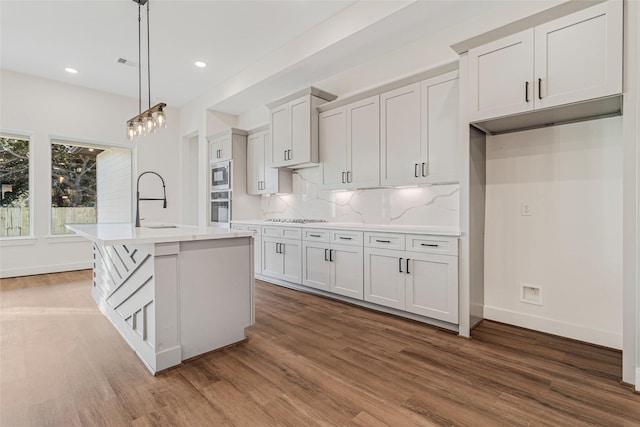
(14, 182)
(73, 185)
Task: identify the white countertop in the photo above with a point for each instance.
(385, 228)
(126, 233)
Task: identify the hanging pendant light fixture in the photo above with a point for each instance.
(151, 119)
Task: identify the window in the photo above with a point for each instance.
(14, 182)
(89, 184)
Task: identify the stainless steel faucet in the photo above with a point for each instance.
(164, 191)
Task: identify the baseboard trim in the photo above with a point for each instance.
(44, 269)
(555, 327)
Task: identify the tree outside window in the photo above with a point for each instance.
(73, 185)
(14, 186)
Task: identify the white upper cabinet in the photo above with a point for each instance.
(579, 56)
(261, 178)
(440, 129)
(501, 77)
(350, 144)
(571, 59)
(220, 149)
(294, 128)
(419, 132)
(400, 136)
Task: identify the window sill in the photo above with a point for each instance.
(17, 241)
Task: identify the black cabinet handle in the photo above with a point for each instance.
(383, 241)
(408, 265)
(400, 265)
(277, 248)
(281, 248)
(526, 91)
(539, 88)
(415, 170)
(430, 245)
(288, 154)
(331, 255)
(348, 176)
(285, 154)
(346, 238)
(314, 235)
(343, 179)
(325, 255)
(423, 168)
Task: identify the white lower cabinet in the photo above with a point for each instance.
(333, 267)
(282, 259)
(423, 282)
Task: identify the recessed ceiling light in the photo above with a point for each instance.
(71, 70)
(200, 64)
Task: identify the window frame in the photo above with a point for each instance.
(64, 140)
(29, 238)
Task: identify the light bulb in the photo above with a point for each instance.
(148, 123)
(161, 119)
(130, 131)
(139, 128)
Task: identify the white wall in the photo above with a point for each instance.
(571, 246)
(113, 181)
(44, 108)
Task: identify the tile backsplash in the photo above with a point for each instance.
(436, 205)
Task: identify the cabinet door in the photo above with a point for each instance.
(255, 163)
(332, 131)
(271, 183)
(271, 259)
(300, 112)
(280, 135)
(432, 286)
(316, 267)
(501, 77)
(384, 277)
(579, 56)
(347, 271)
(220, 149)
(440, 129)
(363, 143)
(291, 251)
(400, 135)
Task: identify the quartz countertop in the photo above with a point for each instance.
(127, 233)
(385, 228)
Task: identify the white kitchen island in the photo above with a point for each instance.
(173, 293)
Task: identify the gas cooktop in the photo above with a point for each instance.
(295, 220)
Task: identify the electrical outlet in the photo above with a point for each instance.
(526, 209)
(530, 294)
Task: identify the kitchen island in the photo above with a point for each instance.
(173, 293)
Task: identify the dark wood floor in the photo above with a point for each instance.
(308, 361)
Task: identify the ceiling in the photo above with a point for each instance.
(41, 38)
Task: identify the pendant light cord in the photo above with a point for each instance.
(139, 62)
(148, 56)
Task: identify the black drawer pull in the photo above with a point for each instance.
(400, 265)
(430, 245)
(383, 241)
(346, 238)
(314, 235)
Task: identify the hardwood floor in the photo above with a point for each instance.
(308, 361)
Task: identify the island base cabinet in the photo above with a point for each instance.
(432, 286)
(384, 277)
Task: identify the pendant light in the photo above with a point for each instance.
(153, 118)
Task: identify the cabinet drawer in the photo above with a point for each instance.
(284, 232)
(345, 237)
(432, 244)
(316, 235)
(384, 240)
